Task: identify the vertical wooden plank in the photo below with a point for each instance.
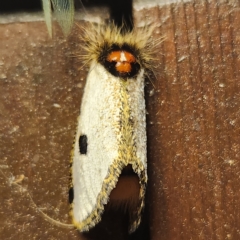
(196, 181)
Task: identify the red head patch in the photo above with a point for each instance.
(122, 60)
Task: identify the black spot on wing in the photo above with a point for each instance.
(71, 195)
(83, 144)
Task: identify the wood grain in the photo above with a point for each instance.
(193, 126)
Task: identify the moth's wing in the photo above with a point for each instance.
(47, 15)
(111, 134)
(98, 120)
(64, 12)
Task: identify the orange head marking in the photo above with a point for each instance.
(123, 60)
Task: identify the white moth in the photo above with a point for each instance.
(109, 157)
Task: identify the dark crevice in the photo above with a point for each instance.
(71, 195)
(19, 6)
(120, 10)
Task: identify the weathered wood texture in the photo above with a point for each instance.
(194, 138)
(193, 125)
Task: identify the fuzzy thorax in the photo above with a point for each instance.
(101, 38)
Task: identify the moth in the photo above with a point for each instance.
(109, 160)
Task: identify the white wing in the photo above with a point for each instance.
(112, 121)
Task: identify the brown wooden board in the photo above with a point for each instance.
(192, 123)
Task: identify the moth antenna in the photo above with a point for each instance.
(44, 215)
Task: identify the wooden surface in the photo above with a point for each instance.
(193, 126)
